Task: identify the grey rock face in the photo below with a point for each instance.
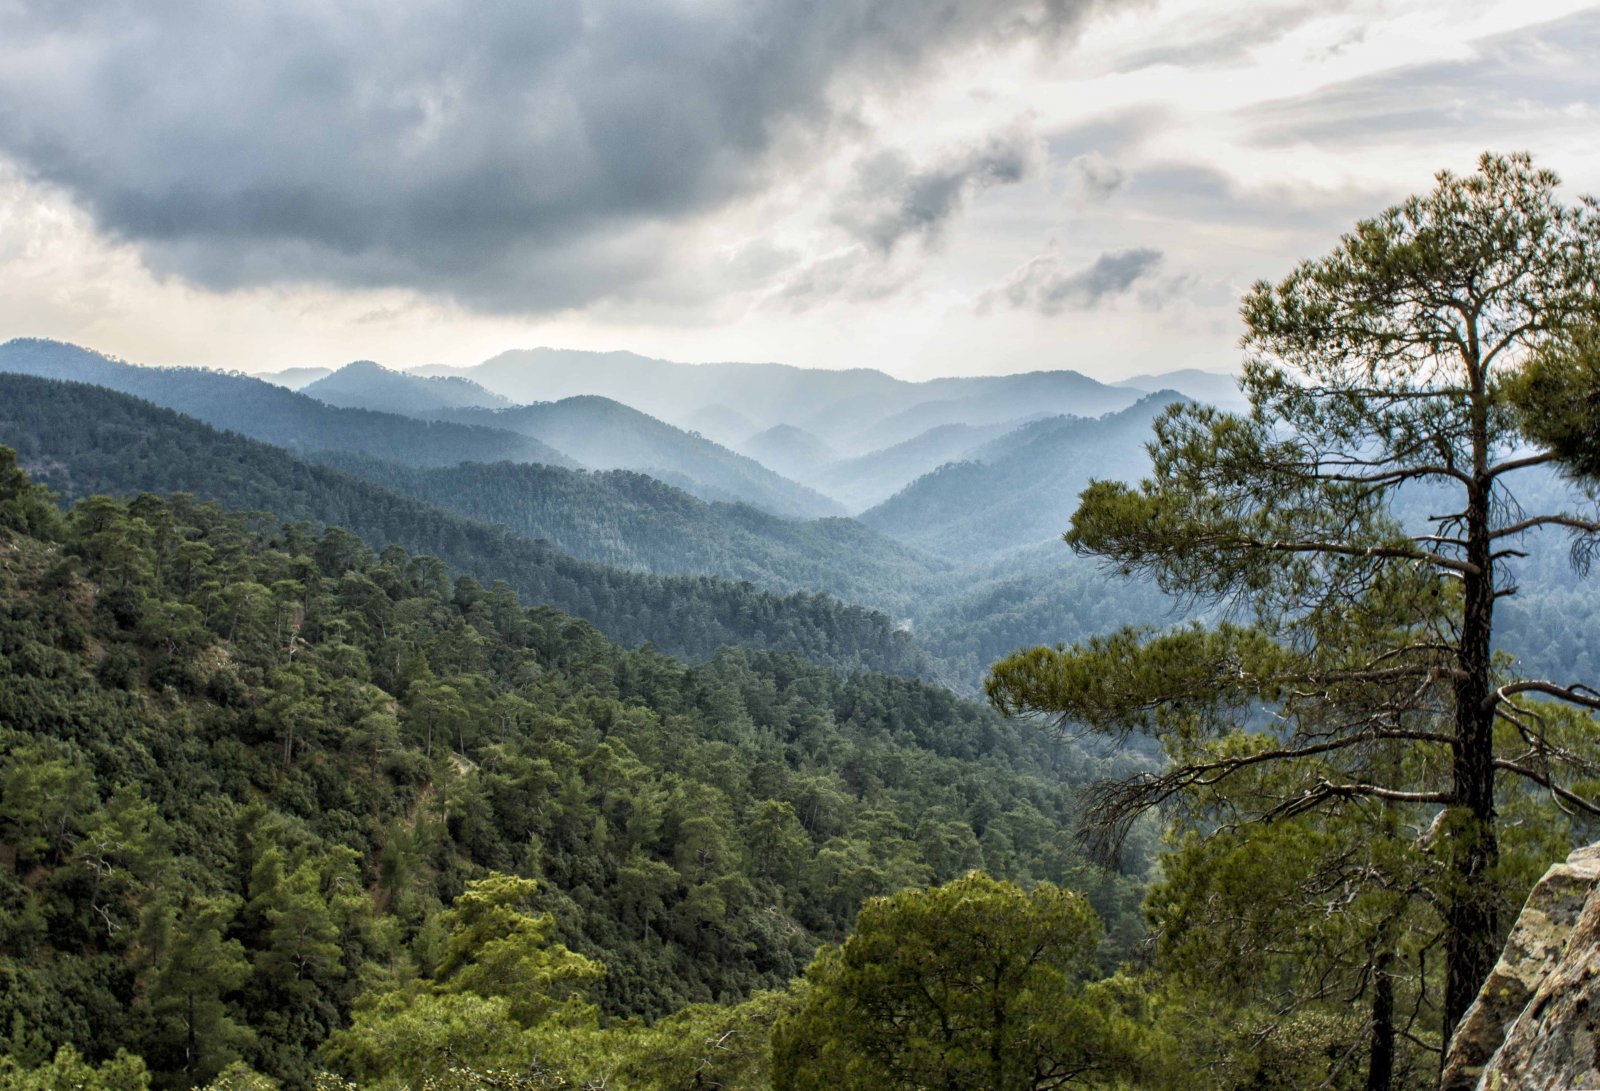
(1533, 1024)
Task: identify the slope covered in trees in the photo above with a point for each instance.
(632, 520)
(273, 414)
(1016, 489)
(247, 765)
(366, 385)
(607, 435)
(85, 440)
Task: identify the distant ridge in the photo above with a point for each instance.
(263, 411)
(1213, 387)
(368, 385)
(844, 408)
(295, 378)
(604, 434)
(81, 439)
(1020, 488)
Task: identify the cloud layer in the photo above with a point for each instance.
(516, 157)
(1048, 287)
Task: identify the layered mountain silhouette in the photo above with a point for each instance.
(1020, 488)
(274, 414)
(82, 440)
(853, 411)
(603, 434)
(366, 385)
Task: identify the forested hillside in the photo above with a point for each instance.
(84, 440)
(247, 765)
(273, 414)
(635, 521)
(367, 385)
(607, 435)
(1014, 490)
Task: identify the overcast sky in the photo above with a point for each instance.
(928, 187)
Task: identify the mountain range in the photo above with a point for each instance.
(654, 532)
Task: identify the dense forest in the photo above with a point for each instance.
(248, 765)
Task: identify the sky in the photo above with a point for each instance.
(927, 187)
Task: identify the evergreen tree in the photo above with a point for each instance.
(1363, 513)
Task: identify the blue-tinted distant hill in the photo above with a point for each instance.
(1211, 387)
(1021, 488)
(861, 482)
(606, 435)
(295, 378)
(366, 385)
(273, 414)
(847, 409)
(792, 452)
(995, 399)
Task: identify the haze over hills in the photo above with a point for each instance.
(866, 480)
(1020, 488)
(295, 378)
(791, 451)
(367, 385)
(847, 409)
(274, 414)
(603, 434)
(1201, 386)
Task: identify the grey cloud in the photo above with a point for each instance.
(855, 274)
(894, 198)
(1541, 70)
(1044, 285)
(1203, 194)
(1095, 176)
(1229, 36)
(512, 155)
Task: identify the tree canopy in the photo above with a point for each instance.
(1362, 521)
(976, 983)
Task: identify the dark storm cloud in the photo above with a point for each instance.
(893, 198)
(517, 156)
(1046, 286)
(1538, 71)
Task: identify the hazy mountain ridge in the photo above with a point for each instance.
(1215, 388)
(605, 434)
(872, 478)
(81, 440)
(789, 450)
(846, 409)
(273, 414)
(1021, 487)
(295, 378)
(364, 384)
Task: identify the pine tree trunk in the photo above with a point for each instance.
(1471, 915)
(1380, 1050)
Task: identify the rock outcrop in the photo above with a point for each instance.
(1533, 1025)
